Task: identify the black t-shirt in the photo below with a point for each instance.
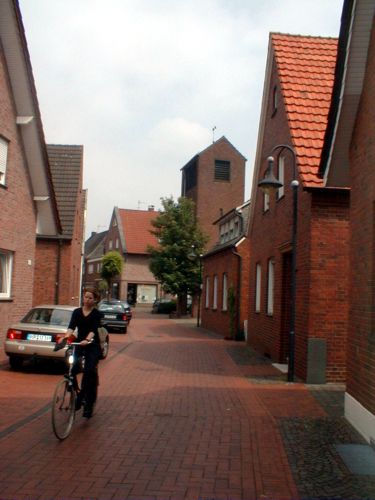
(85, 324)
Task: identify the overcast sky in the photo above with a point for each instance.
(141, 84)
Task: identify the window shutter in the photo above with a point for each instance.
(222, 170)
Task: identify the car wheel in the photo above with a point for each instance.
(105, 348)
(15, 362)
(124, 330)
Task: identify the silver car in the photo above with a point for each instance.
(35, 335)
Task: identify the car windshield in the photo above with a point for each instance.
(111, 307)
(48, 316)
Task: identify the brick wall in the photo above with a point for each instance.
(361, 337)
(329, 278)
(217, 264)
(66, 254)
(227, 262)
(46, 274)
(17, 213)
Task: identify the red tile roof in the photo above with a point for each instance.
(136, 225)
(306, 68)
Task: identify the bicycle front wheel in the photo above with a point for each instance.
(63, 409)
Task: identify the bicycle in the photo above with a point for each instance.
(64, 399)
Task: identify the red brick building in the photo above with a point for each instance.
(348, 159)
(226, 275)
(129, 234)
(215, 180)
(27, 201)
(296, 100)
(92, 265)
(59, 258)
(41, 199)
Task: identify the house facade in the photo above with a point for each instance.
(296, 100)
(27, 200)
(92, 264)
(41, 198)
(59, 258)
(129, 234)
(348, 159)
(226, 276)
(216, 173)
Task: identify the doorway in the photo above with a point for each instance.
(132, 293)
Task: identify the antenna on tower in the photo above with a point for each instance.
(213, 133)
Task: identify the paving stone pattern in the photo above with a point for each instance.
(182, 415)
(317, 468)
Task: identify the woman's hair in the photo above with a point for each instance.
(94, 291)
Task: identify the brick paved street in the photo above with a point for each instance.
(182, 414)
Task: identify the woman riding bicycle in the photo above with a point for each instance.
(86, 321)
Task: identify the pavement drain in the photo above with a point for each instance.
(359, 458)
(266, 379)
(320, 473)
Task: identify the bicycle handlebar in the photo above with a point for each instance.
(79, 343)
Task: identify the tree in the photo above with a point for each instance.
(112, 265)
(175, 262)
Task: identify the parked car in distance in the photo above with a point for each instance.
(35, 335)
(113, 315)
(163, 306)
(127, 308)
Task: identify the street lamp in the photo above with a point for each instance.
(193, 256)
(200, 291)
(268, 183)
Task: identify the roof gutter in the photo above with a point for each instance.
(338, 86)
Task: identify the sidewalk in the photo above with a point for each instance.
(183, 414)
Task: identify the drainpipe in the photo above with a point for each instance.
(58, 265)
(239, 271)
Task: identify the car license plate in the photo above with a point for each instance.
(39, 336)
(110, 316)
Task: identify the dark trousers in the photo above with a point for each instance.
(90, 379)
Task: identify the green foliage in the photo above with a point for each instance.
(166, 307)
(103, 286)
(176, 261)
(112, 265)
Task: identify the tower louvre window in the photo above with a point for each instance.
(222, 170)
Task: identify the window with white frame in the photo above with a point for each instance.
(110, 244)
(214, 304)
(270, 286)
(207, 291)
(280, 191)
(3, 159)
(225, 292)
(91, 268)
(258, 285)
(117, 243)
(266, 201)
(6, 262)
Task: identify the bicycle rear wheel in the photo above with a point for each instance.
(63, 409)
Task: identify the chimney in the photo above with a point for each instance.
(151, 208)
